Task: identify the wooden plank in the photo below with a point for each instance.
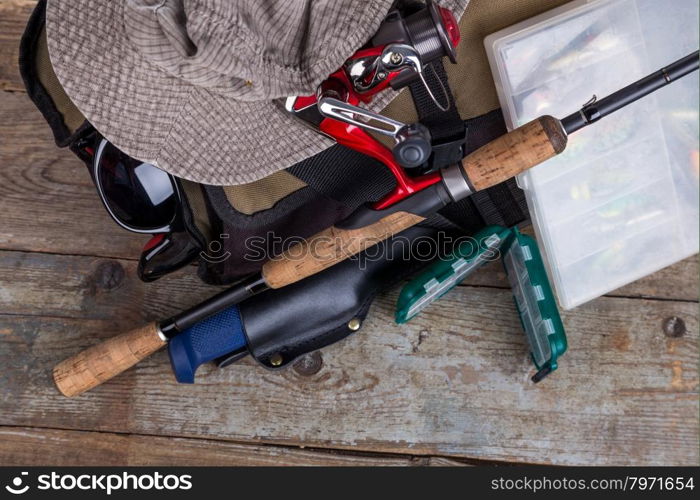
(374, 391)
(47, 199)
(679, 281)
(451, 383)
(95, 287)
(13, 19)
(22, 446)
(92, 288)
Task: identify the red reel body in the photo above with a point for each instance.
(369, 72)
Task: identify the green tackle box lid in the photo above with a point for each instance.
(532, 293)
(445, 274)
(535, 302)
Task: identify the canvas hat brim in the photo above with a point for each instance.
(184, 129)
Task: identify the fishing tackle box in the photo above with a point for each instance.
(622, 201)
(532, 294)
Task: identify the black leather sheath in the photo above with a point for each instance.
(284, 324)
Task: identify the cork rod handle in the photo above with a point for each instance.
(330, 247)
(101, 362)
(492, 164)
(515, 152)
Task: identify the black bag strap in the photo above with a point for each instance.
(453, 139)
(345, 175)
(503, 204)
(40, 96)
(447, 129)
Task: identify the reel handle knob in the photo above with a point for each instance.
(413, 147)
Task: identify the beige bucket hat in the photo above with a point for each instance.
(196, 86)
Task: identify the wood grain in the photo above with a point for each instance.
(39, 182)
(99, 363)
(454, 382)
(330, 247)
(515, 152)
(92, 288)
(13, 18)
(23, 446)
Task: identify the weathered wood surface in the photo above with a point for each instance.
(453, 383)
(26, 446)
(13, 18)
(39, 182)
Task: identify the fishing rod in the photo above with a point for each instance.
(497, 161)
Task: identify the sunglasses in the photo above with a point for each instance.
(140, 198)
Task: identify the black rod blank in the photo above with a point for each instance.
(597, 109)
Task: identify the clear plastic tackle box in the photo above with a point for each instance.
(622, 201)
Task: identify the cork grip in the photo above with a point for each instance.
(515, 152)
(330, 247)
(101, 362)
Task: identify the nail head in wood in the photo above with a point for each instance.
(674, 327)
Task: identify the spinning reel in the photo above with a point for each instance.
(399, 54)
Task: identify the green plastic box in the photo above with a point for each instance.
(532, 292)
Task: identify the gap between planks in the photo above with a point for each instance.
(204, 451)
(489, 278)
(628, 409)
(193, 266)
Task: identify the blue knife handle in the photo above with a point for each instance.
(209, 339)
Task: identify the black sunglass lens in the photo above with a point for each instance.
(139, 194)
